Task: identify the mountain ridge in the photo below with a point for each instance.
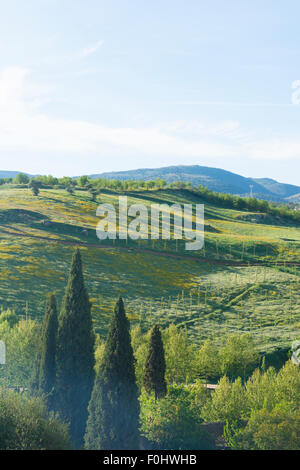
(216, 179)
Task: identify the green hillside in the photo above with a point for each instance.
(246, 278)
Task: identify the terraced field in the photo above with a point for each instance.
(245, 279)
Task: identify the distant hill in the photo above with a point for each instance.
(281, 189)
(11, 174)
(215, 179)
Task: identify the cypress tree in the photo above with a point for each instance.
(155, 366)
(114, 408)
(75, 354)
(44, 382)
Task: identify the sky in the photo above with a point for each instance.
(88, 86)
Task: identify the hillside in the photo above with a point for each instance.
(214, 178)
(246, 278)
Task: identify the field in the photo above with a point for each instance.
(246, 278)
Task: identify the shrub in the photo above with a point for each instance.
(25, 425)
(174, 422)
(269, 430)
(22, 341)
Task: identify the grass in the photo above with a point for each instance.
(213, 292)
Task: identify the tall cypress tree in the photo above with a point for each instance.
(75, 354)
(155, 366)
(44, 381)
(114, 408)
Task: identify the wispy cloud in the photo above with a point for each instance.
(23, 126)
(91, 49)
(231, 103)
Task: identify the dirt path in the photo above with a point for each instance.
(152, 252)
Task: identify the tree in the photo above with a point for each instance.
(83, 181)
(75, 353)
(21, 178)
(35, 187)
(46, 362)
(94, 193)
(155, 367)
(114, 408)
(180, 355)
(70, 189)
(238, 356)
(228, 402)
(208, 362)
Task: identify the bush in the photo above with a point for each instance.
(21, 342)
(174, 422)
(25, 425)
(269, 430)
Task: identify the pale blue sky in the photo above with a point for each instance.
(88, 85)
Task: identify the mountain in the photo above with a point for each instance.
(281, 189)
(215, 179)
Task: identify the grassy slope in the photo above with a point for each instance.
(158, 280)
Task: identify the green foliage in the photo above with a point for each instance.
(228, 402)
(10, 317)
(140, 344)
(21, 179)
(261, 390)
(22, 341)
(114, 407)
(94, 193)
(155, 366)
(180, 356)
(99, 352)
(35, 186)
(75, 354)
(208, 364)
(174, 422)
(83, 180)
(238, 356)
(265, 390)
(178, 350)
(26, 425)
(268, 430)
(45, 376)
(288, 386)
(70, 189)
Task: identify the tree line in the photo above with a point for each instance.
(96, 185)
